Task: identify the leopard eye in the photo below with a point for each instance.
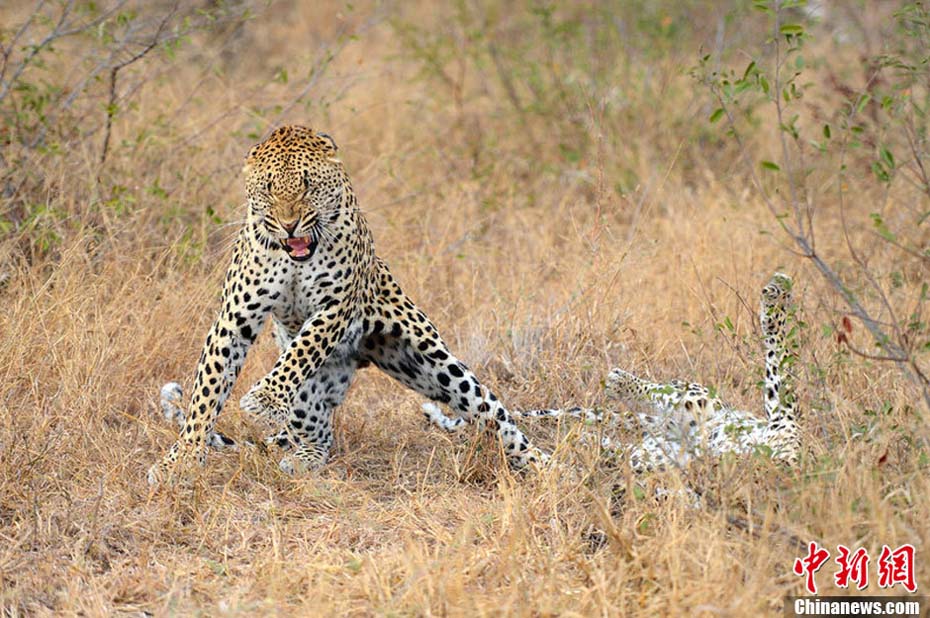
(309, 187)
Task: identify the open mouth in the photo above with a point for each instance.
(300, 248)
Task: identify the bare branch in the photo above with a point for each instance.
(8, 50)
(114, 72)
(56, 33)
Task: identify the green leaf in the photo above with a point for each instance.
(881, 228)
(718, 113)
(769, 165)
(880, 172)
(791, 29)
(742, 86)
(354, 565)
(863, 101)
(826, 131)
(897, 279)
(887, 157)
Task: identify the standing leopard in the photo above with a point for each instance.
(685, 419)
(306, 257)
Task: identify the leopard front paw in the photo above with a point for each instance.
(532, 459)
(158, 474)
(165, 472)
(292, 466)
(435, 416)
(307, 458)
(176, 462)
(267, 402)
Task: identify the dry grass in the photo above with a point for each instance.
(540, 272)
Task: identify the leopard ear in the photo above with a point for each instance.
(247, 164)
(328, 138)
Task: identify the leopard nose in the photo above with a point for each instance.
(289, 226)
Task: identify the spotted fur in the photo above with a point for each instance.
(306, 258)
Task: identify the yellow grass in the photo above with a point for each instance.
(541, 273)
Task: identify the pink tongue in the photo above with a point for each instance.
(299, 246)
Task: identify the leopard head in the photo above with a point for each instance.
(295, 186)
(624, 386)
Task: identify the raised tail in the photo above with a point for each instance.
(777, 317)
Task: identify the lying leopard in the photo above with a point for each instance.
(306, 257)
(687, 420)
